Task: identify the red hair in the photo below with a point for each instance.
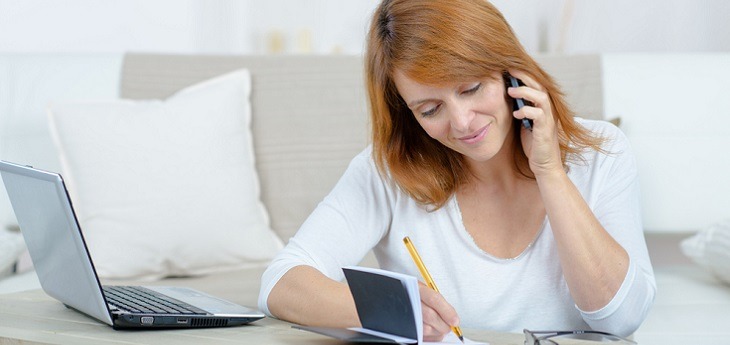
(432, 42)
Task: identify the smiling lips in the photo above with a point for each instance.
(475, 137)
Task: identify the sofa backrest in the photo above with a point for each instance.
(310, 114)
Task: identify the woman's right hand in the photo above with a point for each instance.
(438, 314)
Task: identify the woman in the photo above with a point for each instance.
(520, 228)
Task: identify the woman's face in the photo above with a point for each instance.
(472, 118)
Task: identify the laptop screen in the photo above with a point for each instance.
(53, 238)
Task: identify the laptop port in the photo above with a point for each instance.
(182, 320)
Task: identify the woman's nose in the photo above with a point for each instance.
(461, 118)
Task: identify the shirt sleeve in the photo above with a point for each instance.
(341, 230)
(617, 208)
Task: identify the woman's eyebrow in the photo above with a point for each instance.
(420, 101)
(415, 103)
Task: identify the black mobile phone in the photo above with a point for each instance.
(518, 103)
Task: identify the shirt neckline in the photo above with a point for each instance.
(462, 229)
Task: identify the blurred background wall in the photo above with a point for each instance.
(337, 26)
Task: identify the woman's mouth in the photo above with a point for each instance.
(475, 137)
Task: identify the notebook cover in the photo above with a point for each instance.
(382, 303)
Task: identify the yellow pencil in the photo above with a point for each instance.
(427, 277)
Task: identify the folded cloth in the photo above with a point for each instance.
(710, 248)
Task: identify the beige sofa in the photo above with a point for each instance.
(309, 119)
(310, 114)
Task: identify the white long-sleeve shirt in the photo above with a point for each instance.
(365, 211)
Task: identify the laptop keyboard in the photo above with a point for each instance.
(137, 299)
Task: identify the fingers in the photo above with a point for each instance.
(540, 111)
(438, 314)
(536, 97)
(526, 79)
(542, 145)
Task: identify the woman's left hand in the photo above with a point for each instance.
(541, 145)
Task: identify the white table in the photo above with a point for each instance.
(32, 317)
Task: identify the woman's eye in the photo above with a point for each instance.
(473, 89)
(430, 112)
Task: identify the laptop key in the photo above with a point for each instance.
(141, 300)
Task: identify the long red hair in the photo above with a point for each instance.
(432, 42)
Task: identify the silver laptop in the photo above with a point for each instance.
(66, 272)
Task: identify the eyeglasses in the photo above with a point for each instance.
(548, 337)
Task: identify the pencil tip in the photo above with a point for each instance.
(461, 338)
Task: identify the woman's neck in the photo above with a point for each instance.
(499, 172)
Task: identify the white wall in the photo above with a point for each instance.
(181, 26)
(672, 108)
(610, 26)
(247, 26)
(97, 26)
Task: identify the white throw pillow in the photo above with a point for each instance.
(11, 246)
(166, 188)
(710, 248)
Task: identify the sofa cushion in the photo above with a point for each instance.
(690, 308)
(166, 188)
